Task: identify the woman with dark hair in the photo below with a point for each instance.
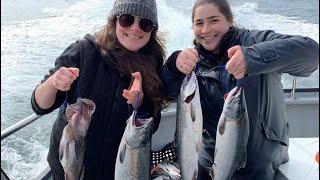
(102, 68)
(256, 59)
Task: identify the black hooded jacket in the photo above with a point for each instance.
(101, 81)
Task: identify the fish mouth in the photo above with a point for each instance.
(189, 88)
(139, 130)
(234, 92)
(238, 90)
(139, 122)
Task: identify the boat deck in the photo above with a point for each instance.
(302, 163)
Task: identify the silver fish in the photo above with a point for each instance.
(134, 154)
(72, 142)
(232, 136)
(165, 171)
(188, 135)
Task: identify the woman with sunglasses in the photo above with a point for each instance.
(256, 59)
(102, 68)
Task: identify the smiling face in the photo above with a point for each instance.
(209, 26)
(133, 37)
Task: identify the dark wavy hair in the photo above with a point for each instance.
(222, 5)
(148, 60)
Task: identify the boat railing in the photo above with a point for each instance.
(19, 125)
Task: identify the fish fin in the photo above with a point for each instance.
(61, 148)
(243, 161)
(122, 153)
(193, 113)
(211, 172)
(79, 149)
(195, 173)
(189, 98)
(214, 154)
(222, 126)
(67, 151)
(198, 147)
(60, 153)
(81, 175)
(63, 154)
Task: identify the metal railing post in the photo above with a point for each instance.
(293, 88)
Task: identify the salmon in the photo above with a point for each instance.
(232, 136)
(134, 154)
(188, 135)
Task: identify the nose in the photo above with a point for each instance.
(206, 27)
(135, 26)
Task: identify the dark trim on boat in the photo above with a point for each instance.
(4, 176)
(302, 90)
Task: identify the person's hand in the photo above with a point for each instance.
(63, 78)
(237, 64)
(134, 95)
(186, 60)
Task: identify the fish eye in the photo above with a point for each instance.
(75, 110)
(236, 101)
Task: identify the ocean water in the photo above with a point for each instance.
(35, 32)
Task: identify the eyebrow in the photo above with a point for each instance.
(211, 17)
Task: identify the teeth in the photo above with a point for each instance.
(133, 36)
(208, 38)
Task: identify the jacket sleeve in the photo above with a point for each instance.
(267, 51)
(69, 58)
(171, 77)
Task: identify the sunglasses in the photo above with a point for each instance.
(126, 20)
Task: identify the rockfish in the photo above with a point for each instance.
(134, 154)
(72, 142)
(232, 136)
(188, 135)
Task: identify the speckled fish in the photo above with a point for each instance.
(188, 135)
(165, 171)
(72, 142)
(134, 154)
(232, 136)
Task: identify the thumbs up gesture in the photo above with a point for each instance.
(237, 64)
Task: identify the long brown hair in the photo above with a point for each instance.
(148, 60)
